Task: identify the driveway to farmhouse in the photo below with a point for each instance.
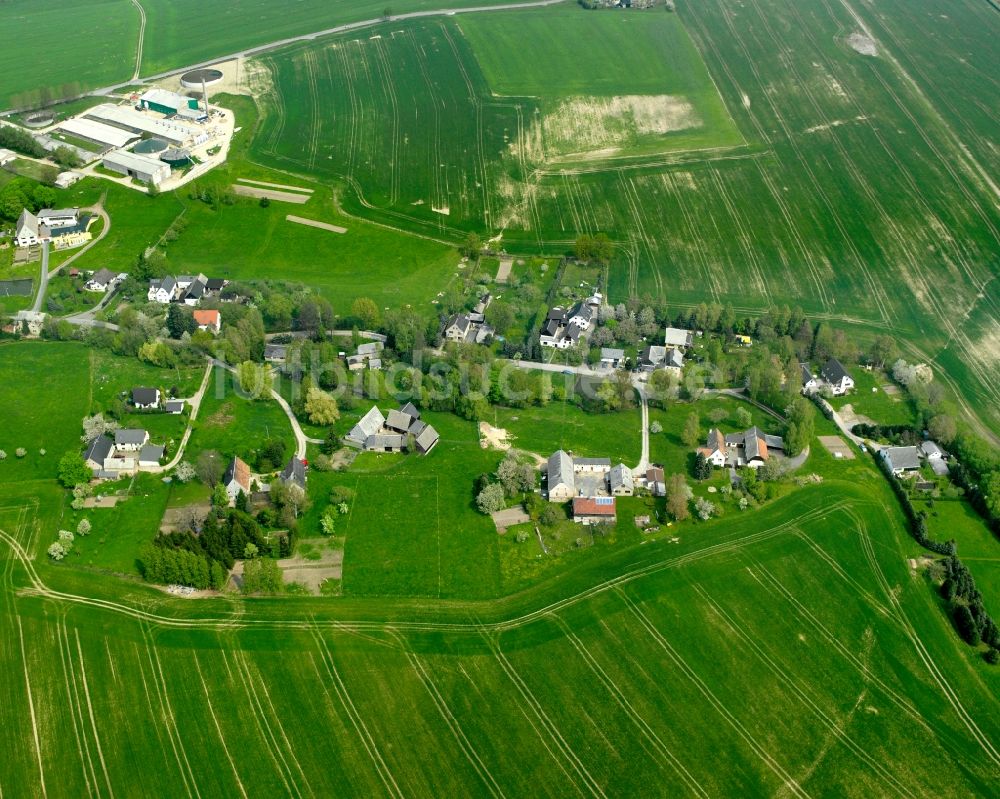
(195, 405)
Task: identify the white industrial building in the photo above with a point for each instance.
(143, 168)
(176, 132)
(98, 132)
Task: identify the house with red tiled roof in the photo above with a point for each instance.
(208, 320)
(594, 510)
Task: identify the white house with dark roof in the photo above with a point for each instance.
(103, 280)
(146, 398)
(130, 439)
(150, 455)
(836, 377)
(161, 290)
(809, 381)
(901, 460)
(99, 448)
(294, 473)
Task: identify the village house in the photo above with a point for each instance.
(467, 329)
(715, 450)
(210, 320)
(130, 439)
(560, 331)
(104, 280)
(99, 448)
(678, 337)
(146, 398)
(901, 460)
(656, 357)
(275, 353)
(568, 477)
(150, 455)
(655, 481)
(750, 448)
(367, 356)
(594, 510)
(48, 225)
(236, 479)
(161, 290)
(809, 381)
(294, 473)
(836, 377)
(612, 358)
(375, 432)
(935, 457)
(27, 323)
(174, 406)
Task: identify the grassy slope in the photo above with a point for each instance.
(775, 656)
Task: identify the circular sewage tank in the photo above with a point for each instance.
(195, 78)
(150, 147)
(176, 158)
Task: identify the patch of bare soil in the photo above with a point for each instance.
(851, 418)
(102, 502)
(837, 447)
(182, 518)
(862, 43)
(313, 573)
(222, 417)
(495, 437)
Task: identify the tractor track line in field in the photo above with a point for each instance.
(481, 769)
(647, 732)
(73, 701)
(936, 674)
(90, 710)
(218, 727)
(788, 781)
(31, 708)
(142, 36)
(355, 717)
(836, 727)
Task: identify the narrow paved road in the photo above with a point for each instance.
(43, 279)
(643, 464)
(195, 405)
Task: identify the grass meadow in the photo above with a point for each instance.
(791, 650)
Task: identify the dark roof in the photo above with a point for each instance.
(294, 472)
(427, 439)
(556, 313)
(411, 409)
(834, 371)
(130, 435)
(398, 421)
(144, 396)
(103, 276)
(151, 453)
(175, 406)
(551, 327)
(98, 449)
(806, 373)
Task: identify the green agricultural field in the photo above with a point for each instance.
(787, 650)
(862, 194)
(64, 46)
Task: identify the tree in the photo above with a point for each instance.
(179, 320)
(515, 477)
(655, 428)
(184, 472)
(220, 497)
(883, 350)
(56, 551)
(662, 387)
(366, 312)
(966, 625)
(321, 407)
(801, 422)
(500, 316)
(255, 379)
(704, 508)
(73, 470)
(770, 470)
(66, 157)
(97, 425)
(471, 246)
(331, 443)
(702, 468)
(691, 434)
(209, 467)
(491, 498)
(991, 493)
(743, 418)
(678, 496)
(262, 576)
(328, 521)
(942, 428)
(83, 528)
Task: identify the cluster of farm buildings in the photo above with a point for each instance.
(400, 430)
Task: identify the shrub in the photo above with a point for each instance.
(20, 452)
(656, 427)
(83, 528)
(66, 538)
(3, 455)
(56, 551)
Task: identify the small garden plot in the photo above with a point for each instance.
(837, 447)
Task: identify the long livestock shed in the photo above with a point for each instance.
(143, 168)
(98, 132)
(181, 135)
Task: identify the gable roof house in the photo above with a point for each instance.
(612, 358)
(161, 290)
(809, 380)
(836, 376)
(651, 358)
(900, 460)
(368, 425)
(656, 481)
(561, 477)
(582, 315)
(130, 439)
(99, 448)
(194, 291)
(101, 281)
(210, 320)
(426, 439)
(620, 481)
(146, 398)
(385, 442)
(30, 323)
(366, 356)
(26, 232)
(399, 421)
(174, 406)
(594, 510)
(294, 473)
(714, 450)
(674, 359)
(678, 337)
(275, 353)
(149, 456)
(236, 478)
(458, 327)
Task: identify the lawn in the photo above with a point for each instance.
(232, 425)
(413, 529)
(885, 409)
(751, 653)
(562, 425)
